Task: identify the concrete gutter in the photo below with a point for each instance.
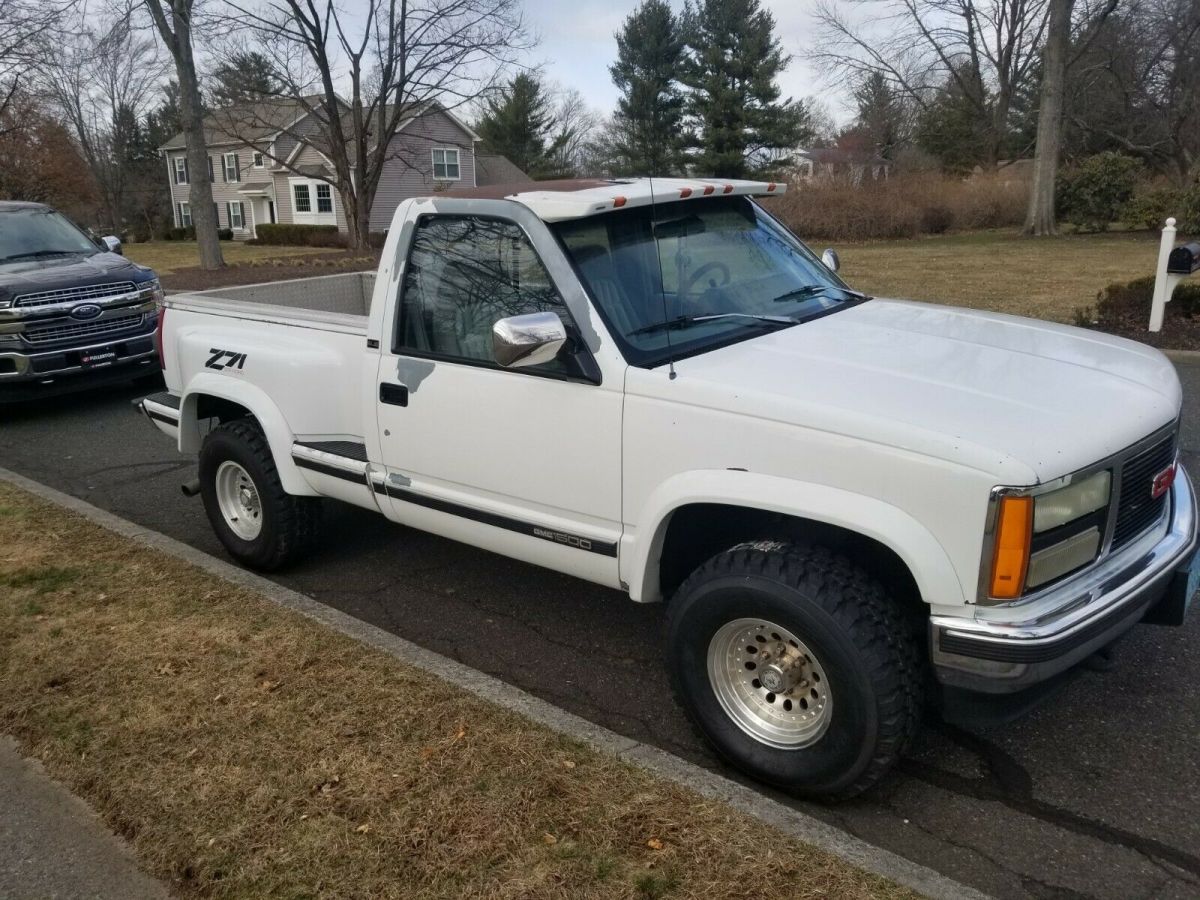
(708, 784)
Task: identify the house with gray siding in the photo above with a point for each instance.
(265, 168)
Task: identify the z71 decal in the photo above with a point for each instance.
(225, 359)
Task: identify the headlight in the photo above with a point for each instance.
(1037, 539)
(1069, 503)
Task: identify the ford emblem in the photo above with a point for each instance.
(86, 311)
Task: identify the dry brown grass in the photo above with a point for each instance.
(1046, 278)
(249, 752)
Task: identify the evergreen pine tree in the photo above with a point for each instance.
(880, 115)
(247, 76)
(732, 61)
(648, 123)
(518, 122)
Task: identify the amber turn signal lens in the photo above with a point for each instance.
(1014, 526)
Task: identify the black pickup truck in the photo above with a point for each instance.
(74, 312)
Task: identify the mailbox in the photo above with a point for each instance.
(1184, 259)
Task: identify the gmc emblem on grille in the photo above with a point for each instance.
(1162, 482)
(86, 311)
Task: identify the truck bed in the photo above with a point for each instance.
(335, 302)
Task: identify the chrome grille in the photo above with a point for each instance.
(73, 294)
(1137, 510)
(52, 334)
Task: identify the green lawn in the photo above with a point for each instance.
(167, 256)
(1047, 278)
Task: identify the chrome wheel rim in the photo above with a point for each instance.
(238, 500)
(769, 683)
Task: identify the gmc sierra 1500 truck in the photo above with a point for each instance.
(653, 385)
(74, 312)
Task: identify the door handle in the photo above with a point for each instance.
(393, 394)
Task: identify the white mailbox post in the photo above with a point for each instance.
(1174, 265)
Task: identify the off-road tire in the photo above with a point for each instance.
(868, 649)
(290, 525)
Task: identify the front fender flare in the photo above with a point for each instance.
(261, 406)
(891, 526)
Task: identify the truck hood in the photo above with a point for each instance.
(43, 274)
(1023, 399)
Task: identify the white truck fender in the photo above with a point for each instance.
(917, 548)
(275, 427)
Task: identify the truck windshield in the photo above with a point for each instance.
(692, 275)
(31, 233)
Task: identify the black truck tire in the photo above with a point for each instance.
(260, 524)
(797, 667)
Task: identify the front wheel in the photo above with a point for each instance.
(797, 667)
(259, 523)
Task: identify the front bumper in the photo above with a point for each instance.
(25, 369)
(998, 656)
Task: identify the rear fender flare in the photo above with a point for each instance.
(270, 419)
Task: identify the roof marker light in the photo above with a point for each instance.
(618, 202)
(771, 186)
(708, 189)
(684, 193)
(728, 189)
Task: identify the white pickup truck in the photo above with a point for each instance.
(851, 505)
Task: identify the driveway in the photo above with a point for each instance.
(1094, 794)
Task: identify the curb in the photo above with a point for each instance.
(708, 784)
(1185, 357)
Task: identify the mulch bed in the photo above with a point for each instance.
(280, 269)
(1178, 332)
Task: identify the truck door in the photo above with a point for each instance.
(521, 461)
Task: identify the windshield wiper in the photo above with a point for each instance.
(684, 321)
(813, 290)
(39, 253)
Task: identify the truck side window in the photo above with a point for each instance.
(464, 274)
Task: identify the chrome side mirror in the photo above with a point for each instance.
(111, 244)
(528, 340)
(830, 258)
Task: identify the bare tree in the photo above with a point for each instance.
(23, 25)
(1057, 58)
(576, 125)
(361, 79)
(101, 81)
(1136, 88)
(174, 20)
(986, 48)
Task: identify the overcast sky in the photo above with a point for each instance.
(578, 46)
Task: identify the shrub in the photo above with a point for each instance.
(224, 234)
(179, 234)
(1150, 208)
(1129, 302)
(902, 206)
(1093, 193)
(301, 235)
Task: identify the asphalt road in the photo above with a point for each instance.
(1094, 794)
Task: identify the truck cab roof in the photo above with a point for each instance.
(557, 201)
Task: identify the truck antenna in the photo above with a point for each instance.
(662, 289)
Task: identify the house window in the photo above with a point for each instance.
(232, 169)
(258, 160)
(237, 219)
(324, 199)
(210, 169)
(181, 170)
(303, 201)
(445, 165)
(185, 214)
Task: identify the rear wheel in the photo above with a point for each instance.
(797, 666)
(259, 523)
